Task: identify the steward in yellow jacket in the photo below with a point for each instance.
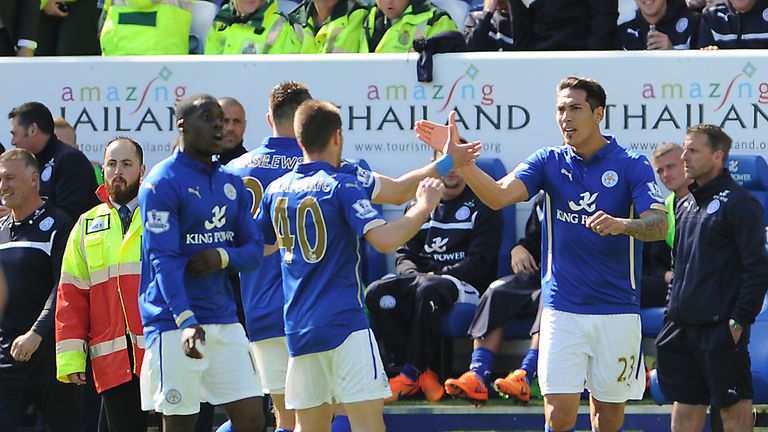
(146, 27)
(97, 313)
(336, 28)
(239, 28)
(393, 25)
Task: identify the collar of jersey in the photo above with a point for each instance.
(273, 142)
(312, 166)
(602, 153)
(195, 164)
(703, 193)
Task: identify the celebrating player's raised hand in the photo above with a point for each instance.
(446, 139)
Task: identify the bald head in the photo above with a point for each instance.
(234, 121)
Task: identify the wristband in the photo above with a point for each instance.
(224, 257)
(444, 165)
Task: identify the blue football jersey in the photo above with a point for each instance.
(186, 207)
(262, 290)
(317, 214)
(583, 272)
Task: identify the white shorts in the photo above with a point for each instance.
(352, 372)
(174, 384)
(601, 352)
(271, 357)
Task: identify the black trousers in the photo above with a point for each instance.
(77, 34)
(506, 298)
(405, 314)
(35, 382)
(123, 407)
(7, 46)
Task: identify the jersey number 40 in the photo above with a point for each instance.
(286, 240)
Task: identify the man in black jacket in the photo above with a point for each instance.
(659, 25)
(718, 285)
(19, 21)
(32, 241)
(66, 176)
(734, 24)
(564, 24)
(452, 257)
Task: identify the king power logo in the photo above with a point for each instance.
(586, 203)
(219, 218)
(438, 245)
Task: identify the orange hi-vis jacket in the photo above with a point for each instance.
(98, 295)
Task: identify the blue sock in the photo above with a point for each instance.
(226, 427)
(283, 430)
(482, 363)
(530, 364)
(410, 371)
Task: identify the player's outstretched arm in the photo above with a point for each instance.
(386, 238)
(495, 194)
(651, 226)
(402, 189)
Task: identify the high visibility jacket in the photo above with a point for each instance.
(420, 19)
(342, 32)
(97, 300)
(266, 31)
(146, 27)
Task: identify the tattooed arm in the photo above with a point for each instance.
(651, 226)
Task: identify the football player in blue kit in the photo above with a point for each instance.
(197, 228)
(601, 203)
(316, 214)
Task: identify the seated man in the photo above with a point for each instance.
(734, 24)
(393, 25)
(659, 25)
(516, 295)
(453, 254)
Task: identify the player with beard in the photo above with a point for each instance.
(451, 257)
(97, 310)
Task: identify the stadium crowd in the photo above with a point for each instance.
(177, 27)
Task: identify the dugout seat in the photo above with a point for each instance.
(751, 171)
(457, 319)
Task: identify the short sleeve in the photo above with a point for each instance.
(357, 207)
(532, 171)
(645, 192)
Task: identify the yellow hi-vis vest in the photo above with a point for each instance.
(399, 38)
(274, 36)
(146, 27)
(97, 308)
(343, 32)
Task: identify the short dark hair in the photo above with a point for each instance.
(187, 106)
(29, 160)
(33, 112)
(595, 92)
(666, 148)
(285, 99)
(136, 146)
(315, 123)
(716, 137)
